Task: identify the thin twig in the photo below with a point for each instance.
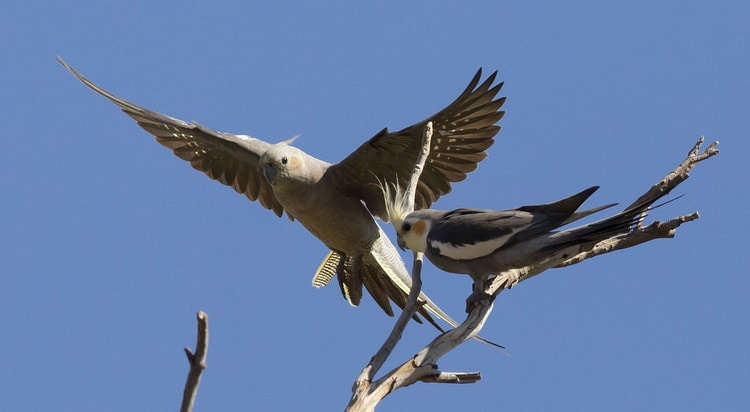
(363, 397)
(423, 366)
(197, 364)
(657, 230)
(680, 173)
(411, 188)
(361, 392)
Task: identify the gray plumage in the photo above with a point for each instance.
(337, 202)
(482, 243)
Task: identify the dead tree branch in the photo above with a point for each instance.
(363, 394)
(423, 366)
(656, 230)
(197, 362)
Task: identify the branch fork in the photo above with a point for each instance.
(368, 392)
(197, 362)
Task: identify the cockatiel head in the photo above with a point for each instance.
(281, 160)
(411, 227)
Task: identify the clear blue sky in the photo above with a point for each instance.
(109, 244)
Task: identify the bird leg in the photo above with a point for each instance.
(478, 294)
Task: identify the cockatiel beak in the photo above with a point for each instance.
(401, 243)
(276, 158)
(269, 172)
(412, 234)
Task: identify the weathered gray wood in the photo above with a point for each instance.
(367, 393)
(197, 362)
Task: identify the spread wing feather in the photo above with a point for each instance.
(227, 158)
(462, 132)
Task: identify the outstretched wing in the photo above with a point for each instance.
(228, 158)
(465, 234)
(461, 133)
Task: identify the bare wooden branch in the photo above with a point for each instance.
(411, 188)
(410, 307)
(363, 397)
(657, 230)
(447, 377)
(680, 173)
(197, 362)
(423, 366)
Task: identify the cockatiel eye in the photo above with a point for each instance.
(406, 227)
(267, 173)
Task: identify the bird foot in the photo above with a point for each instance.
(475, 298)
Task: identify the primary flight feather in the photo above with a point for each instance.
(482, 243)
(337, 202)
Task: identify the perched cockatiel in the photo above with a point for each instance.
(483, 243)
(338, 202)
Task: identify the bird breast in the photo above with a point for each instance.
(341, 222)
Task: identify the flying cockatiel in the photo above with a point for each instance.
(337, 202)
(483, 243)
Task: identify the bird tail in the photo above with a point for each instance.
(383, 274)
(583, 213)
(619, 224)
(398, 284)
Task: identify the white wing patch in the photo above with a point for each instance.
(470, 251)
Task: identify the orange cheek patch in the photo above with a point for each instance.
(295, 163)
(419, 227)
